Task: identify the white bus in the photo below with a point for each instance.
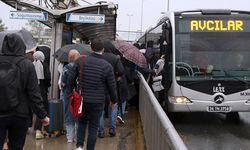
(207, 66)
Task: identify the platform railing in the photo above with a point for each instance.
(158, 130)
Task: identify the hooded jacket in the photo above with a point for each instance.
(30, 97)
(119, 70)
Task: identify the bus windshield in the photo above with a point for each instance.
(212, 47)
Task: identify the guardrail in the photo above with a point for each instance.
(159, 132)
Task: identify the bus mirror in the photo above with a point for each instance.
(166, 25)
(165, 35)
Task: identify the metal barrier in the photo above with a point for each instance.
(159, 132)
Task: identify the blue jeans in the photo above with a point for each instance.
(16, 128)
(112, 119)
(123, 109)
(69, 120)
(91, 116)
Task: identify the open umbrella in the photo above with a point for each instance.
(62, 53)
(131, 53)
(25, 35)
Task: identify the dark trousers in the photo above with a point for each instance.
(16, 128)
(91, 117)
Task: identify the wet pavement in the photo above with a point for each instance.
(213, 131)
(128, 137)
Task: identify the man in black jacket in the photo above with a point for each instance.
(96, 76)
(118, 71)
(17, 120)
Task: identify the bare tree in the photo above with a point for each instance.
(39, 31)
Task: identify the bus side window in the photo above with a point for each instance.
(196, 69)
(182, 71)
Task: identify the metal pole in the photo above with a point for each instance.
(168, 4)
(141, 14)
(129, 21)
(115, 16)
(57, 29)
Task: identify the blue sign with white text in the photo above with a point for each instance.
(85, 18)
(29, 15)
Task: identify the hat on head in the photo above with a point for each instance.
(38, 55)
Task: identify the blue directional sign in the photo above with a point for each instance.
(29, 15)
(85, 18)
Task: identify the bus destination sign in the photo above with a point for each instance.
(216, 25)
(213, 25)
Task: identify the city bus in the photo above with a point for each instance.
(207, 59)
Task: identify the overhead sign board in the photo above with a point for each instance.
(29, 15)
(85, 18)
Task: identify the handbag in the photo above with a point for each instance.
(157, 86)
(75, 107)
(76, 100)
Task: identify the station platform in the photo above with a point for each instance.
(128, 137)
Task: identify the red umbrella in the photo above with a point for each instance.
(131, 53)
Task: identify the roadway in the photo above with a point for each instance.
(213, 131)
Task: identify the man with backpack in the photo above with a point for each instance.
(20, 94)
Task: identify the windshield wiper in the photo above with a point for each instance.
(234, 77)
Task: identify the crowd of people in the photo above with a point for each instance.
(103, 77)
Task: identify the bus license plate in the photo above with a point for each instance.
(218, 109)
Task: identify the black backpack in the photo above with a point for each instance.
(10, 82)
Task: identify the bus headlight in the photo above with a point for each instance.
(179, 99)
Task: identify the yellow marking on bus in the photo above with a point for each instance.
(239, 25)
(210, 27)
(216, 25)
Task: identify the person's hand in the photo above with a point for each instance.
(45, 121)
(153, 73)
(118, 78)
(112, 105)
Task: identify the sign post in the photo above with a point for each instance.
(29, 15)
(85, 18)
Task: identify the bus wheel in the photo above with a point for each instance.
(233, 116)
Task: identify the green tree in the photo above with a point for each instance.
(2, 26)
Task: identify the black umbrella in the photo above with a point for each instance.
(26, 36)
(62, 53)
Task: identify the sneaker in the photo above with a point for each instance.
(39, 135)
(70, 141)
(79, 148)
(45, 134)
(112, 132)
(101, 135)
(120, 120)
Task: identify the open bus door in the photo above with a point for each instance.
(166, 48)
